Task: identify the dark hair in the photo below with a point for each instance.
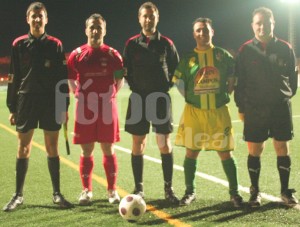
(95, 16)
(148, 5)
(203, 20)
(264, 11)
(36, 6)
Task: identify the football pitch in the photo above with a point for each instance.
(212, 207)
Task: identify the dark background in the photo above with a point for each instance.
(231, 21)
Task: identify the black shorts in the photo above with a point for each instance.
(35, 110)
(143, 110)
(268, 121)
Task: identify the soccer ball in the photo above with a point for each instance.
(132, 207)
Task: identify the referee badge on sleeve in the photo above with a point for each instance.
(10, 78)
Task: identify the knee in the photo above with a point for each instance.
(24, 150)
(138, 146)
(85, 153)
(52, 149)
(225, 155)
(166, 149)
(191, 154)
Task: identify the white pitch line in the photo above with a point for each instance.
(209, 177)
(233, 121)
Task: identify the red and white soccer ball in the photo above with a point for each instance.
(132, 207)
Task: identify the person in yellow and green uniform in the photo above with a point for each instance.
(205, 78)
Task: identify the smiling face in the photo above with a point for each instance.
(148, 19)
(203, 33)
(263, 27)
(37, 20)
(95, 31)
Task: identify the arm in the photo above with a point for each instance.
(72, 72)
(178, 78)
(72, 85)
(120, 71)
(230, 84)
(180, 85)
(127, 64)
(63, 89)
(119, 83)
(294, 70)
(239, 89)
(13, 82)
(172, 61)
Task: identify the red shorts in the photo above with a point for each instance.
(96, 122)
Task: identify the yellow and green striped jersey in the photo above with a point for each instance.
(205, 75)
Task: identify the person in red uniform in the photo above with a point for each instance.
(37, 68)
(150, 59)
(267, 80)
(95, 76)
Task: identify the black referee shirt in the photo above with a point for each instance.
(150, 63)
(266, 75)
(37, 65)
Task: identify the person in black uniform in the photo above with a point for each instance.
(150, 60)
(267, 80)
(35, 99)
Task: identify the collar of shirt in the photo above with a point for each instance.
(147, 39)
(31, 38)
(261, 45)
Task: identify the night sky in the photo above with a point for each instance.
(231, 21)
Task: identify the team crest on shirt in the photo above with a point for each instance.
(10, 78)
(192, 62)
(47, 63)
(103, 62)
(162, 57)
(207, 80)
(281, 62)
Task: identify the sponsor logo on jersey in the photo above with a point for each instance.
(207, 80)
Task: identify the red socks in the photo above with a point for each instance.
(86, 165)
(110, 165)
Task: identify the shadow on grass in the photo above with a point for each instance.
(196, 212)
(218, 213)
(99, 204)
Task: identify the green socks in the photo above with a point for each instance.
(230, 169)
(190, 167)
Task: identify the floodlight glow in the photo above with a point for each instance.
(290, 1)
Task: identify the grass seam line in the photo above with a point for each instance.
(160, 214)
